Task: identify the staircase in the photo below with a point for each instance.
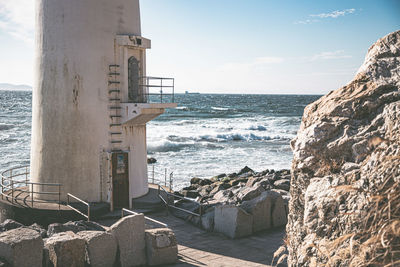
(114, 107)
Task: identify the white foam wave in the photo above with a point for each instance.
(219, 108)
(257, 128)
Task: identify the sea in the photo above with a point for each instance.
(206, 135)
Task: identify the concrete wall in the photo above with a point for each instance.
(75, 43)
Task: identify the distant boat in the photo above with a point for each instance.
(194, 93)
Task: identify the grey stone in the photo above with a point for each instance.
(39, 229)
(22, 247)
(260, 207)
(207, 220)
(130, 236)
(248, 193)
(223, 195)
(279, 214)
(232, 221)
(65, 249)
(252, 181)
(9, 225)
(283, 184)
(101, 248)
(161, 246)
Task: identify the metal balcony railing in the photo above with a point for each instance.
(155, 90)
(17, 187)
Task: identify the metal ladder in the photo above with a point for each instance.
(114, 100)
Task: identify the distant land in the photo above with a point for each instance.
(20, 87)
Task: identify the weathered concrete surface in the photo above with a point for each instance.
(101, 248)
(65, 249)
(232, 221)
(22, 247)
(130, 236)
(161, 246)
(260, 207)
(345, 153)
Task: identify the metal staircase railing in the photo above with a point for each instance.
(87, 216)
(123, 210)
(16, 185)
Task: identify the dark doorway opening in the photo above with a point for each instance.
(120, 178)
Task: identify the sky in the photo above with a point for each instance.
(233, 46)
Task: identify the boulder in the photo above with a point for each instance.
(190, 193)
(252, 180)
(223, 196)
(260, 207)
(101, 248)
(245, 170)
(39, 229)
(248, 193)
(195, 180)
(151, 160)
(129, 233)
(345, 153)
(9, 225)
(279, 214)
(65, 249)
(21, 247)
(161, 247)
(232, 221)
(56, 228)
(283, 184)
(207, 220)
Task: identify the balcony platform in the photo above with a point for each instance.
(141, 113)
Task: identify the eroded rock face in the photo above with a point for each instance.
(347, 147)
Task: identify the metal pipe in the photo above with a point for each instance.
(165, 177)
(12, 191)
(32, 195)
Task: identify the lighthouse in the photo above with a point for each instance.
(92, 100)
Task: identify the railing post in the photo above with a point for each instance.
(161, 90)
(26, 175)
(165, 177)
(32, 195)
(59, 197)
(153, 175)
(88, 212)
(170, 181)
(12, 191)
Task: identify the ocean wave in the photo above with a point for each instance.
(257, 128)
(167, 146)
(219, 108)
(239, 137)
(5, 127)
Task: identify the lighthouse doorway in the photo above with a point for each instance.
(135, 93)
(120, 178)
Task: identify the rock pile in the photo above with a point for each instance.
(84, 243)
(238, 204)
(345, 187)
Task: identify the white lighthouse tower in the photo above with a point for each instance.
(91, 100)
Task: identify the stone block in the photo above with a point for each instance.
(161, 246)
(279, 215)
(21, 247)
(232, 221)
(130, 236)
(260, 207)
(207, 221)
(101, 248)
(65, 249)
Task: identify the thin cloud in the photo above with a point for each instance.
(17, 19)
(333, 15)
(338, 54)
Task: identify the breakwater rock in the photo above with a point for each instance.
(345, 186)
(237, 204)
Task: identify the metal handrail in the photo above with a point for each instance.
(9, 182)
(153, 180)
(147, 218)
(75, 209)
(148, 83)
(178, 208)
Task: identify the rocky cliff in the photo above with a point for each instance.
(345, 194)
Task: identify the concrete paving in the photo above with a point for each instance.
(200, 248)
